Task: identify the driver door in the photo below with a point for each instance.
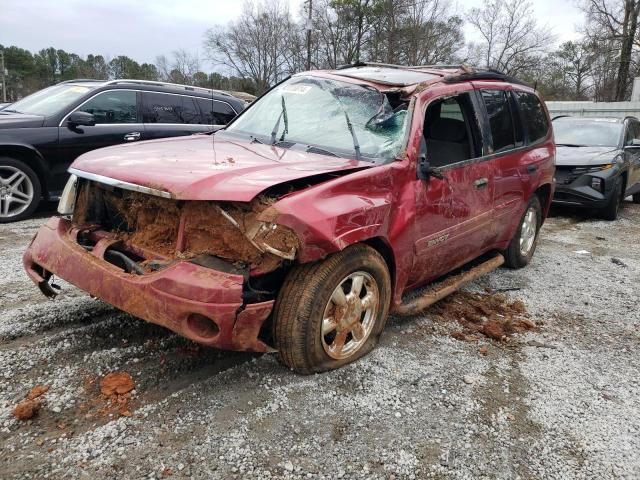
(117, 121)
(453, 213)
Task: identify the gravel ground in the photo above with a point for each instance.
(558, 402)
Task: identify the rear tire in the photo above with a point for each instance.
(20, 190)
(331, 313)
(523, 244)
(636, 198)
(610, 212)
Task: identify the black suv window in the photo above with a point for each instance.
(190, 112)
(161, 108)
(450, 131)
(534, 117)
(500, 119)
(215, 112)
(115, 106)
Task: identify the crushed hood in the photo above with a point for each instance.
(584, 156)
(205, 167)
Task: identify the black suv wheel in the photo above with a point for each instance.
(19, 190)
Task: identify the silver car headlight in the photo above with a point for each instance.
(68, 197)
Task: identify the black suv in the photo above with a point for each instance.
(597, 163)
(43, 133)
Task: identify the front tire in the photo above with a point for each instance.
(610, 212)
(331, 313)
(523, 244)
(636, 198)
(19, 190)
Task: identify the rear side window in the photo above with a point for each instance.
(215, 112)
(500, 119)
(190, 112)
(116, 106)
(161, 108)
(534, 116)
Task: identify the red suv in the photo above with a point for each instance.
(300, 225)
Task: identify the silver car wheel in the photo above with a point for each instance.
(528, 231)
(16, 191)
(350, 315)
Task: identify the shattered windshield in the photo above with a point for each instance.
(337, 117)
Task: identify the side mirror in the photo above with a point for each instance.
(635, 143)
(81, 119)
(424, 169)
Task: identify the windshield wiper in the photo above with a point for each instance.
(276, 127)
(314, 149)
(569, 145)
(356, 145)
(9, 110)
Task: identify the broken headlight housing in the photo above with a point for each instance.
(68, 197)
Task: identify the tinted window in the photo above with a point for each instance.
(190, 112)
(450, 131)
(517, 120)
(534, 116)
(116, 106)
(633, 132)
(215, 112)
(161, 108)
(499, 119)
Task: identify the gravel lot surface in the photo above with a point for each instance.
(562, 401)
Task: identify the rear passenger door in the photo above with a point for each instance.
(517, 123)
(171, 115)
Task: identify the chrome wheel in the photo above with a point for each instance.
(16, 191)
(528, 231)
(350, 315)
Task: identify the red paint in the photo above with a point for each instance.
(384, 205)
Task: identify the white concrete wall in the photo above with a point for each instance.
(594, 109)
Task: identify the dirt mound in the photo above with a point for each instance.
(116, 383)
(30, 406)
(489, 314)
(116, 389)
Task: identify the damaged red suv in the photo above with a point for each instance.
(302, 224)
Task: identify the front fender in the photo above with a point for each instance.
(333, 215)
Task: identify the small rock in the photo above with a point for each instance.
(288, 466)
(468, 379)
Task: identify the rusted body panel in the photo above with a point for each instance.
(168, 297)
(423, 228)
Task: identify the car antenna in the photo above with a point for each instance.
(213, 133)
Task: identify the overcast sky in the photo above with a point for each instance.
(145, 29)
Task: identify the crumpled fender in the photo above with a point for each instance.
(335, 214)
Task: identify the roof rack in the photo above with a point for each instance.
(151, 83)
(167, 84)
(482, 74)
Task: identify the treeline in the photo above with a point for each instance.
(28, 72)
(267, 43)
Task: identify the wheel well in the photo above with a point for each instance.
(31, 159)
(544, 193)
(380, 245)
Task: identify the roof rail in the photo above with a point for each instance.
(482, 74)
(82, 80)
(167, 84)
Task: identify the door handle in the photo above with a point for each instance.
(132, 136)
(481, 183)
(532, 168)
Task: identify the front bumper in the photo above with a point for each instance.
(579, 192)
(183, 297)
